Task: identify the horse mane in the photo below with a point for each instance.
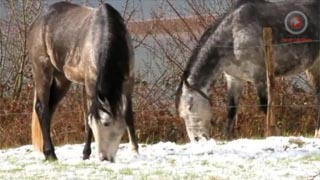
(239, 3)
(113, 63)
(211, 29)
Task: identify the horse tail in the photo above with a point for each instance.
(37, 137)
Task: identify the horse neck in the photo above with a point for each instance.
(206, 68)
(205, 63)
(113, 58)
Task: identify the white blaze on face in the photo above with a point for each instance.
(107, 138)
(105, 118)
(196, 112)
(107, 133)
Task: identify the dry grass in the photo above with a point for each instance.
(155, 116)
(156, 124)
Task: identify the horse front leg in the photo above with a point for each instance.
(87, 147)
(89, 134)
(130, 125)
(234, 90)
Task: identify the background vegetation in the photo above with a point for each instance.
(162, 46)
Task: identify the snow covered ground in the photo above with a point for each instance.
(273, 158)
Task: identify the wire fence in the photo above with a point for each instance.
(162, 51)
(274, 45)
(306, 105)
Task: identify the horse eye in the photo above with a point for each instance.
(106, 124)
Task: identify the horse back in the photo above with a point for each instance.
(58, 30)
(64, 32)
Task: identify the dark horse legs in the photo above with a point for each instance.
(89, 135)
(87, 147)
(130, 124)
(50, 89)
(314, 78)
(234, 90)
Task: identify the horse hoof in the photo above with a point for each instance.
(228, 135)
(85, 157)
(51, 157)
(135, 149)
(317, 134)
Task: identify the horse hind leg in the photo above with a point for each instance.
(263, 97)
(43, 77)
(314, 77)
(59, 88)
(234, 90)
(49, 91)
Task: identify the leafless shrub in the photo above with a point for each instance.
(163, 40)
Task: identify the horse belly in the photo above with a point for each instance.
(292, 61)
(244, 71)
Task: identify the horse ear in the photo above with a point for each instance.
(185, 82)
(103, 102)
(186, 86)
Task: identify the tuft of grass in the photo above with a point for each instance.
(159, 173)
(311, 158)
(126, 171)
(172, 161)
(205, 163)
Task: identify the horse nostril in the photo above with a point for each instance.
(106, 124)
(107, 159)
(196, 139)
(205, 136)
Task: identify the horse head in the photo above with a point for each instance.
(107, 128)
(195, 109)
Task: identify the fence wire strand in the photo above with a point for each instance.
(161, 110)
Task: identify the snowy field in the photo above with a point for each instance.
(273, 158)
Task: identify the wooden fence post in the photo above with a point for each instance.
(270, 123)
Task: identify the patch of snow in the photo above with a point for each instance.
(270, 158)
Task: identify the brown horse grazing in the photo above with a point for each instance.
(91, 46)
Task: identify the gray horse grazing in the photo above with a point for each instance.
(91, 46)
(234, 46)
